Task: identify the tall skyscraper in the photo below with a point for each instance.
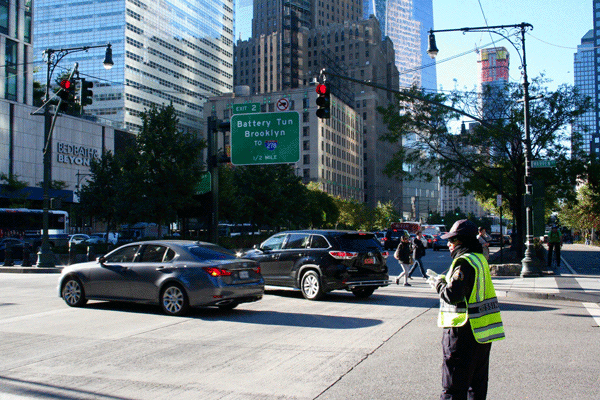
(494, 64)
(178, 52)
(407, 23)
(585, 74)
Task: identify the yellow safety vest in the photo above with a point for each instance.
(482, 309)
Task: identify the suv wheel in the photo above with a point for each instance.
(311, 286)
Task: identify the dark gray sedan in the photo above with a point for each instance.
(177, 274)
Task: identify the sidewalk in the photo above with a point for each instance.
(566, 285)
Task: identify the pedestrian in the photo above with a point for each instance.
(402, 254)
(469, 313)
(418, 253)
(484, 240)
(554, 244)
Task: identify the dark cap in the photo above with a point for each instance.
(462, 227)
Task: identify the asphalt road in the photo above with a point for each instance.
(282, 347)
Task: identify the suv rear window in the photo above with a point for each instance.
(358, 242)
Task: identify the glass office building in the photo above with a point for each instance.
(165, 52)
(585, 125)
(407, 23)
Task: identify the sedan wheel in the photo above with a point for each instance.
(73, 293)
(311, 286)
(174, 300)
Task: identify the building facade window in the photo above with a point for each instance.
(10, 62)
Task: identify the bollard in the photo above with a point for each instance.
(26, 255)
(90, 253)
(71, 253)
(8, 260)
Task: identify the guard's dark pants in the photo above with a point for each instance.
(556, 248)
(420, 264)
(466, 365)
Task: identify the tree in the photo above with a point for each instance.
(584, 213)
(489, 159)
(168, 166)
(103, 194)
(149, 182)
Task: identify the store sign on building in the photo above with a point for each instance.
(76, 155)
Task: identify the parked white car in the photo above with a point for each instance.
(100, 237)
(78, 238)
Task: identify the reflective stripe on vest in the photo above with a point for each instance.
(482, 312)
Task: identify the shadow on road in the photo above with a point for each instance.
(262, 317)
(32, 389)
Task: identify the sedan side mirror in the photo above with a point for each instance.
(101, 260)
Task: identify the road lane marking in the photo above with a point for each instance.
(568, 265)
(594, 310)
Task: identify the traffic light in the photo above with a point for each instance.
(85, 93)
(67, 94)
(323, 101)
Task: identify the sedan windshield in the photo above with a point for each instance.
(211, 252)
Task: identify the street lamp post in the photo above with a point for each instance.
(45, 256)
(529, 267)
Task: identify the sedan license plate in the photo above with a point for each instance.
(369, 261)
(244, 275)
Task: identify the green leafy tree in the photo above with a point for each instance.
(101, 196)
(168, 167)
(489, 159)
(584, 213)
(383, 215)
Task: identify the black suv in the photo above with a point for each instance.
(319, 261)
(392, 238)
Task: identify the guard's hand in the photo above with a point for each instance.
(434, 280)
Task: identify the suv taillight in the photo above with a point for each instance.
(343, 255)
(213, 271)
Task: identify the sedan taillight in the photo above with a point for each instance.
(343, 255)
(257, 269)
(214, 271)
(385, 254)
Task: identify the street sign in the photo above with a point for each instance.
(265, 138)
(204, 185)
(543, 163)
(283, 104)
(246, 108)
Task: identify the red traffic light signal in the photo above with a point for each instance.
(322, 89)
(66, 93)
(323, 101)
(66, 84)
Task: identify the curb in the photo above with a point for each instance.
(30, 270)
(580, 297)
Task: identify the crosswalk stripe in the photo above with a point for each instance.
(594, 310)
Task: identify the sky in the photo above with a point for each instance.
(558, 26)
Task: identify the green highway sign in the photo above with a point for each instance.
(265, 138)
(245, 108)
(543, 163)
(204, 185)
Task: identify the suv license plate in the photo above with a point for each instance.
(244, 275)
(369, 261)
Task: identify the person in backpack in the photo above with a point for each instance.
(418, 253)
(402, 254)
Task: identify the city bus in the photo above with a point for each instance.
(27, 224)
